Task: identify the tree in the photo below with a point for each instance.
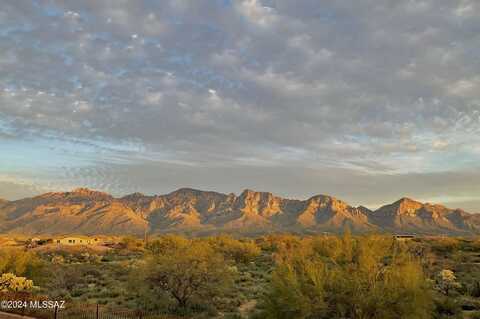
(131, 243)
(362, 277)
(188, 272)
(298, 290)
(63, 278)
(166, 244)
(347, 245)
(22, 263)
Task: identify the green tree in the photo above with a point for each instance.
(298, 290)
(131, 243)
(188, 273)
(358, 278)
(167, 244)
(22, 263)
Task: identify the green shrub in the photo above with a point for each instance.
(365, 277)
(475, 289)
(236, 250)
(447, 308)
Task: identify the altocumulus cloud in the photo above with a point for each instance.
(365, 100)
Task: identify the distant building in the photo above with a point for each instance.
(403, 237)
(32, 242)
(77, 240)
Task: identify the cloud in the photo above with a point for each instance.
(377, 88)
(15, 190)
(465, 87)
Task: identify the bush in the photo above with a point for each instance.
(22, 263)
(445, 246)
(446, 282)
(475, 289)
(11, 283)
(447, 308)
(131, 243)
(236, 250)
(166, 244)
(367, 277)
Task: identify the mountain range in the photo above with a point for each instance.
(196, 212)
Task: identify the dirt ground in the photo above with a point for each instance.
(4, 315)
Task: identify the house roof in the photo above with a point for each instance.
(75, 237)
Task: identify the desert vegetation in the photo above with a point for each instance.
(274, 276)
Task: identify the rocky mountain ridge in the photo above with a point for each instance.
(84, 211)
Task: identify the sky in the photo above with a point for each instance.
(364, 100)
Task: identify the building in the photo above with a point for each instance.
(33, 242)
(404, 237)
(77, 240)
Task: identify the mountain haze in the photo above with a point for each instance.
(186, 210)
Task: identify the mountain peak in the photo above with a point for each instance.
(258, 205)
(133, 196)
(187, 191)
(81, 192)
(323, 197)
(407, 206)
(89, 192)
(407, 200)
(402, 207)
(330, 202)
(327, 200)
(249, 192)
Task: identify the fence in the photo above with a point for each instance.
(90, 312)
(77, 311)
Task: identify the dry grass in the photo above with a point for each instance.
(72, 249)
(10, 242)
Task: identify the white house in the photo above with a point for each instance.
(77, 240)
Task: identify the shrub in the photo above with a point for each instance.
(22, 263)
(445, 246)
(447, 308)
(166, 244)
(11, 283)
(365, 277)
(446, 281)
(238, 251)
(131, 243)
(475, 289)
